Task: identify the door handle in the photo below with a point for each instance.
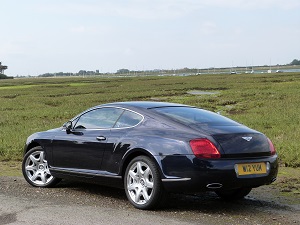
(101, 138)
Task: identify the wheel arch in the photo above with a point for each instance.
(133, 154)
(30, 146)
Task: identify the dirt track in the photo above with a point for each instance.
(78, 203)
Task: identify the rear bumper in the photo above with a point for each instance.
(187, 173)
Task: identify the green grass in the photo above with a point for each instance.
(269, 103)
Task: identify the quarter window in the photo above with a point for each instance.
(128, 119)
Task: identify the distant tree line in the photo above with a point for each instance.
(124, 71)
(62, 74)
(2, 76)
(295, 62)
(55, 74)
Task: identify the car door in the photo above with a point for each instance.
(120, 140)
(83, 147)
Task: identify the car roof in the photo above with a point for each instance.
(144, 104)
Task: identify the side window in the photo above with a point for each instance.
(99, 118)
(128, 119)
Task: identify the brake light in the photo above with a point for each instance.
(204, 148)
(272, 148)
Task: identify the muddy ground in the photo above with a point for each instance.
(79, 203)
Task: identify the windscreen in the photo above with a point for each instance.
(190, 116)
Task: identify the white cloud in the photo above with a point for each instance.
(128, 52)
(208, 28)
(84, 29)
(253, 4)
(136, 9)
(157, 9)
(17, 45)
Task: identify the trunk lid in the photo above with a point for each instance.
(250, 144)
(238, 141)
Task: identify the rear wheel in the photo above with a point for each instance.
(142, 183)
(35, 169)
(234, 194)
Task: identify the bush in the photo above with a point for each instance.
(295, 62)
(2, 76)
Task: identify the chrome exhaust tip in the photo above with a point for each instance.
(214, 186)
(274, 179)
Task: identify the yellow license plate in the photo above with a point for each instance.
(252, 168)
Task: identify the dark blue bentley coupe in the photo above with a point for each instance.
(150, 149)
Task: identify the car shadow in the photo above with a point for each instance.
(92, 188)
(206, 202)
(209, 202)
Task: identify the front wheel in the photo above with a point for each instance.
(35, 169)
(234, 194)
(142, 183)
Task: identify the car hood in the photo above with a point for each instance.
(55, 129)
(43, 134)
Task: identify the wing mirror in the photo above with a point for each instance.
(68, 126)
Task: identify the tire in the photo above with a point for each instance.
(35, 169)
(143, 184)
(234, 194)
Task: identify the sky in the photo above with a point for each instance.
(39, 36)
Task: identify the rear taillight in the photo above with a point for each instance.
(272, 148)
(204, 148)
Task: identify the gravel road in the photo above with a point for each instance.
(79, 203)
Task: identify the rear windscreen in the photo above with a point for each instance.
(189, 115)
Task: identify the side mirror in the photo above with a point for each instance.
(68, 126)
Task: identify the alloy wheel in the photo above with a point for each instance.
(36, 169)
(140, 182)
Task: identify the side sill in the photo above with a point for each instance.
(175, 179)
(85, 172)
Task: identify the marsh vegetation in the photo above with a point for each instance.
(266, 102)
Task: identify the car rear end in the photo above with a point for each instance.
(215, 166)
(225, 156)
